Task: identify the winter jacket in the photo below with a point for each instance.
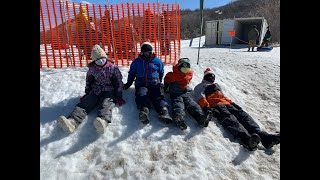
(146, 72)
(210, 94)
(267, 36)
(253, 34)
(106, 78)
(177, 81)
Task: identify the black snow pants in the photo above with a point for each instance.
(89, 102)
(180, 102)
(239, 123)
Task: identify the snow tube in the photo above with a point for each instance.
(264, 48)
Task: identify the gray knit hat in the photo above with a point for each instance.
(97, 52)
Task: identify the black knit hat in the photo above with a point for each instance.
(146, 46)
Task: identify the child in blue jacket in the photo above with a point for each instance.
(147, 71)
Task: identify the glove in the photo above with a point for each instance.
(119, 102)
(126, 85)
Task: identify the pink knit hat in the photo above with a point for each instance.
(208, 71)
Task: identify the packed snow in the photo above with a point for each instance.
(131, 150)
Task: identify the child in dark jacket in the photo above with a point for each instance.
(147, 71)
(232, 117)
(103, 87)
(176, 83)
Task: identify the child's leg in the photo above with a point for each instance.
(244, 118)
(106, 105)
(78, 114)
(231, 123)
(142, 99)
(160, 104)
(192, 107)
(143, 104)
(157, 98)
(178, 109)
(84, 107)
(195, 111)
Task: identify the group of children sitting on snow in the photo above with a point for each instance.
(104, 88)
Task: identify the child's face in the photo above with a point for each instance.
(101, 61)
(146, 54)
(185, 68)
(210, 78)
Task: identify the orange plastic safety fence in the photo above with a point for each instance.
(69, 30)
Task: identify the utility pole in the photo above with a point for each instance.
(218, 12)
(201, 19)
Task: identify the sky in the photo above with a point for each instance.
(131, 150)
(184, 4)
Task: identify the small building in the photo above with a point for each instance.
(217, 31)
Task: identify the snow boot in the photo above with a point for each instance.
(100, 125)
(269, 140)
(180, 122)
(68, 125)
(204, 119)
(164, 115)
(144, 115)
(251, 142)
(78, 114)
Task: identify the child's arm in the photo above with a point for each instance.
(200, 96)
(167, 81)
(188, 86)
(117, 83)
(161, 71)
(89, 82)
(131, 75)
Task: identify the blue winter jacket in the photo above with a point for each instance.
(146, 72)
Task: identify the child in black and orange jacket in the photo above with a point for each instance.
(232, 117)
(176, 83)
